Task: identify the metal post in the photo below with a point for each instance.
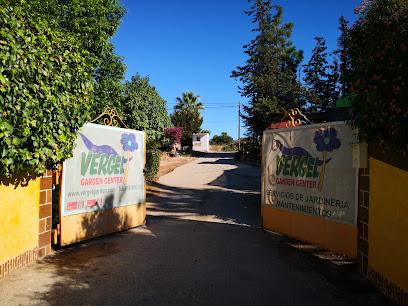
(239, 125)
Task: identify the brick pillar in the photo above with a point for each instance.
(45, 217)
(362, 220)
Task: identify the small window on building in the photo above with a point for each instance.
(198, 138)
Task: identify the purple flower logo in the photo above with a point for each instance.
(129, 142)
(326, 141)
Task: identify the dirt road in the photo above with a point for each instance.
(211, 189)
(202, 244)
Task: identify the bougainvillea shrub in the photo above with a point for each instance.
(174, 134)
(375, 50)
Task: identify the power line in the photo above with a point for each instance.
(205, 121)
(222, 106)
(175, 103)
(214, 106)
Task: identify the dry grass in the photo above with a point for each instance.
(216, 148)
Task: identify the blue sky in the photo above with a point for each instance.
(194, 45)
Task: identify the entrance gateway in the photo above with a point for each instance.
(309, 185)
(103, 185)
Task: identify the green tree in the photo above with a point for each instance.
(343, 59)
(189, 102)
(321, 78)
(375, 53)
(270, 75)
(45, 92)
(93, 23)
(187, 114)
(143, 108)
(109, 77)
(223, 139)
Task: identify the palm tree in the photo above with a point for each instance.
(189, 102)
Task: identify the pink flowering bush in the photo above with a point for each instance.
(174, 134)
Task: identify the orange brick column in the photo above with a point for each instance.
(45, 217)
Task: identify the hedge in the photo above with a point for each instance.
(152, 164)
(45, 91)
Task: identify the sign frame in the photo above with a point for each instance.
(297, 202)
(116, 157)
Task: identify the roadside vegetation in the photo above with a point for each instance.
(187, 115)
(223, 143)
(373, 52)
(58, 70)
(367, 69)
(45, 90)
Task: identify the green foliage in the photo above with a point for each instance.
(222, 139)
(251, 147)
(93, 23)
(192, 121)
(108, 82)
(238, 155)
(187, 114)
(152, 145)
(152, 164)
(270, 74)
(143, 108)
(344, 61)
(229, 147)
(46, 87)
(189, 102)
(375, 51)
(321, 78)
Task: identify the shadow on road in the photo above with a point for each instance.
(214, 154)
(233, 197)
(175, 259)
(185, 203)
(243, 177)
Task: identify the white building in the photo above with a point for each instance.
(201, 142)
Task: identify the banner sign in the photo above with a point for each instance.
(106, 170)
(308, 170)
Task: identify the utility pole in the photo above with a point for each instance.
(239, 125)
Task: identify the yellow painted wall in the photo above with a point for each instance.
(337, 237)
(388, 222)
(19, 213)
